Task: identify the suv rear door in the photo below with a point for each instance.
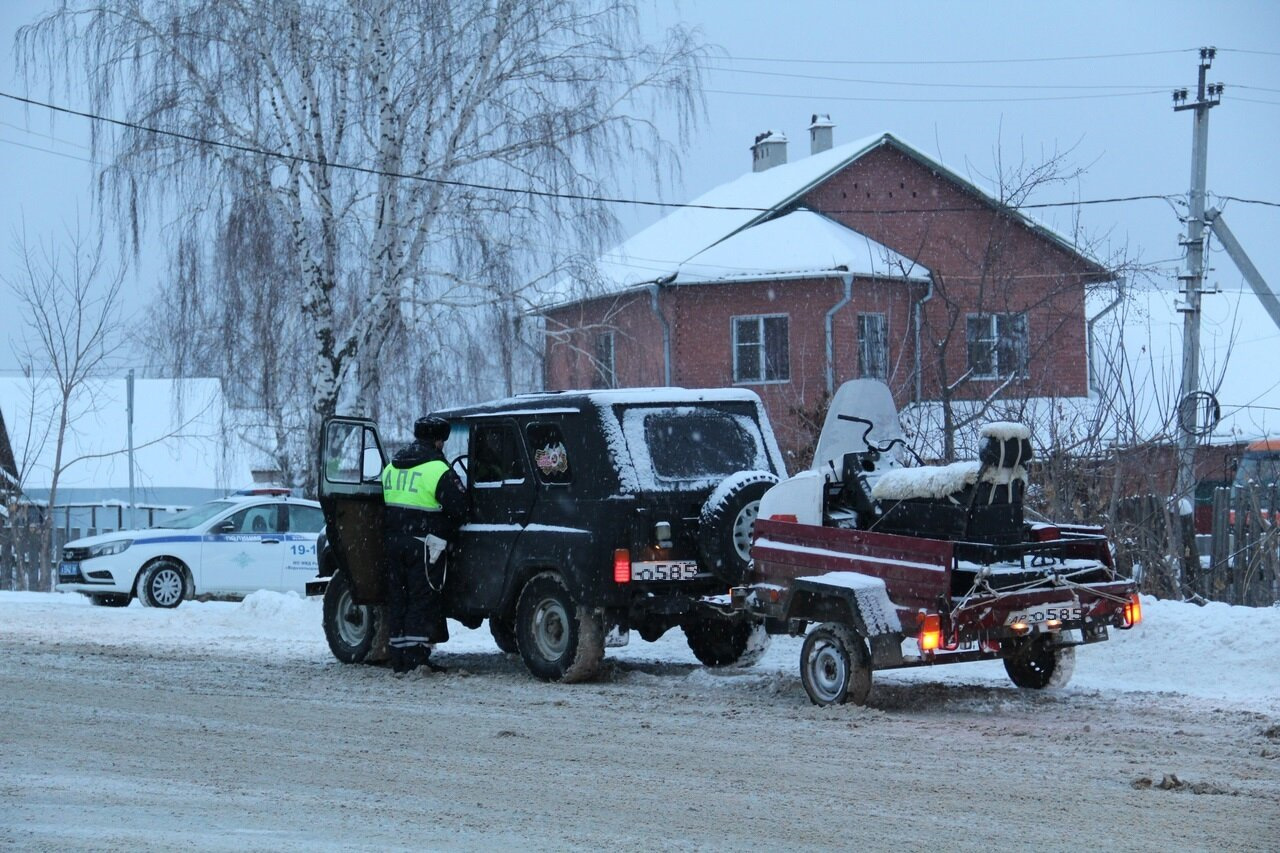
(351, 463)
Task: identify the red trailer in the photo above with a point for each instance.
(884, 566)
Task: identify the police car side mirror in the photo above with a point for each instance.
(227, 526)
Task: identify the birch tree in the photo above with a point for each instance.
(390, 139)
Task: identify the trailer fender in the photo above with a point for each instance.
(859, 601)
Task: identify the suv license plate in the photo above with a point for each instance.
(673, 570)
(1066, 611)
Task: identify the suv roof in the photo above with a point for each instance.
(572, 401)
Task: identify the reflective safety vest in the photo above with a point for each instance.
(413, 488)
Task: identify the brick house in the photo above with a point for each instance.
(867, 259)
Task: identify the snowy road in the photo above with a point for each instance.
(225, 726)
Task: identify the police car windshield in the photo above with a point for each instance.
(195, 516)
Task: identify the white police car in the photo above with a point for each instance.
(227, 547)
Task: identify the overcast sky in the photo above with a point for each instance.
(960, 81)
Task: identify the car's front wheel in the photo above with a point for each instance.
(163, 584)
(559, 639)
(357, 633)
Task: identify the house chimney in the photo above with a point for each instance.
(769, 150)
(820, 133)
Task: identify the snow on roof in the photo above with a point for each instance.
(801, 244)
(658, 251)
(179, 435)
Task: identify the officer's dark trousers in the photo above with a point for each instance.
(414, 611)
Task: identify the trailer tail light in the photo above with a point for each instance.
(930, 633)
(622, 566)
(1132, 611)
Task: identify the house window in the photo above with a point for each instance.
(604, 368)
(873, 347)
(997, 345)
(761, 349)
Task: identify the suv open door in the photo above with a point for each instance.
(351, 463)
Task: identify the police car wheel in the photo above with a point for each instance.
(163, 584)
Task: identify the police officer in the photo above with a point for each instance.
(425, 502)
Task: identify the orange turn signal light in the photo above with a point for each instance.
(1133, 611)
(930, 632)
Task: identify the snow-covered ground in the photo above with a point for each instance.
(1217, 651)
(228, 726)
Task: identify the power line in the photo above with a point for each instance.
(1088, 57)
(247, 149)
(1248, 200)
(934, 85)
(811, 97)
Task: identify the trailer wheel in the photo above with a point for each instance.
(559, 639)
(1036, 664)
(835, 666)
(357, 633)
(718, 640)
(725, 523)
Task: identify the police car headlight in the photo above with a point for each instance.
(106, 549)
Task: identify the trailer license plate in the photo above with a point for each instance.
(1066, 611)
(673, 570)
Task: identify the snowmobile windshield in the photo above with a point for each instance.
(869, 422)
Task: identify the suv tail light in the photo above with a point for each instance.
(622, 566)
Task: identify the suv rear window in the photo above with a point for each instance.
(686, 447)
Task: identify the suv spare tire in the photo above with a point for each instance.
(724, 526)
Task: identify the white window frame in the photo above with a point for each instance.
(865, 342)
(998, 337)
(761, 347)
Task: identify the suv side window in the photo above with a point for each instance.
(497, 456)
(549, 454)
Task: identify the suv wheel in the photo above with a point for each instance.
(724, 527)
(558, 639)
(357, 633)
(718, 640)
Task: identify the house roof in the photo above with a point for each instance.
(802, 244)
(658, 252)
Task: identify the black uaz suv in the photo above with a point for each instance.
(591, 514)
